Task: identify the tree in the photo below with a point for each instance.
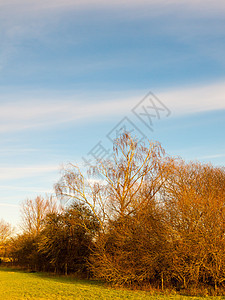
(33, 213)
(67, 237)
(24, 252)
(195, 212)
(130, 181)
(130, 184)
(6, 231)
(24, 246)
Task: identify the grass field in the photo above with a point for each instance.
(15, 284)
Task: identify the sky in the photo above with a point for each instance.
(73, 74)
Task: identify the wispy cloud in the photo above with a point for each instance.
(28, 26)
(13, 150)
(22, 115)
(7, 173)
(211, 6)
(196, 99)
(9, 205)
(25, 189)
(42, 113)
(212, 156)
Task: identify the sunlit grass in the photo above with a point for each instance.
(15, 284)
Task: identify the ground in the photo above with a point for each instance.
(16, 284)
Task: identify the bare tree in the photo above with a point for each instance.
(33, 213)
(5, 231)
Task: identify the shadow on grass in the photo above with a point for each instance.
(69, 279)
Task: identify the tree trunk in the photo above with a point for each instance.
(162, 283)
(66, 269)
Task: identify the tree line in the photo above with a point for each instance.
(143, 218)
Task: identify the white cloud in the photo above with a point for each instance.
(9, 205)
(37, 113)
(23, 20)
(212, 156)
(25, 189)
(209, 5)
(46, 112)
(17, 150)
(195, 99)
(7, 173)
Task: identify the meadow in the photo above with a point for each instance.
(15, 284)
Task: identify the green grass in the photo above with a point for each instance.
(15, 284)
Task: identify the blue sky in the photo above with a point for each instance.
(70, 71)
